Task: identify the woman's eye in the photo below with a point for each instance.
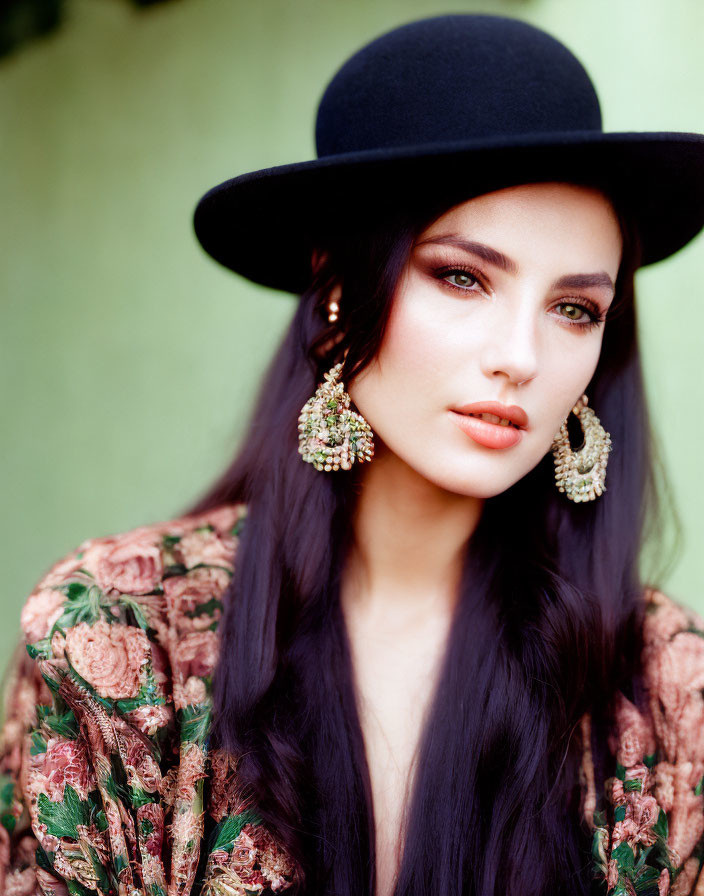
(574, 312)
(461, 279)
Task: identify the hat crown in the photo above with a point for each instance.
(455, 78)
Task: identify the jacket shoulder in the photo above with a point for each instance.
(666, 617)
(160, 578)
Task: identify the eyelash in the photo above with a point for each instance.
(591, 308)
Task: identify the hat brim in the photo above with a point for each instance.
(660, 177)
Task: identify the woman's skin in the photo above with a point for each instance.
(506, 332)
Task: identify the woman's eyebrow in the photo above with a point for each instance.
(498, 259)
(584, 281)
(493, 256)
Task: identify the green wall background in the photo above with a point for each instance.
(129, 358)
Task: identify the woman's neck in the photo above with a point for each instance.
(409, 542)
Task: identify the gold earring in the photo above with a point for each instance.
(330, 435)
(581, 474)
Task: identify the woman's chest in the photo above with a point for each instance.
(394, 680)
(391, 722)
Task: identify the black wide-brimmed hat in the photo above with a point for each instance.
(451, 105)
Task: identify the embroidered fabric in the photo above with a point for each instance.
(108, 784)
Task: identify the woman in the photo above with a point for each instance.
(439, 670)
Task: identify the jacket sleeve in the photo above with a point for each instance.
(92, 755)
(674, 672)
(63, 789)
(653, 837)
(24, 692)
(109, 783)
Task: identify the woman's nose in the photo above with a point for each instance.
(511, 349)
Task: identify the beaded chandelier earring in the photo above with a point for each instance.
(331, 436)
(581, 474)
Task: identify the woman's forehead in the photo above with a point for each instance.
(581, 218)
(530, 198)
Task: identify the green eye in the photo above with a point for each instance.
(573, 312)
(580, 315)
(461, 278)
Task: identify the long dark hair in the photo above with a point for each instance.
(547, 627)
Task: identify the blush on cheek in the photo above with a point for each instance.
(414, 341)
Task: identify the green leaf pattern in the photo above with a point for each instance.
(105, 756)
(648, 829)
(106, 762)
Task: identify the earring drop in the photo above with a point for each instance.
(580, 475)
(330, 435)
(333, 308)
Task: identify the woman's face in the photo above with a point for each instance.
(502, 300)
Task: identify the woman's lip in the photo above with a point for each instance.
(512, 412)
(491, 435)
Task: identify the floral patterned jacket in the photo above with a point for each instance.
(108, 785)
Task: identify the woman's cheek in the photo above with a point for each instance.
(407, 384)
(416, 347)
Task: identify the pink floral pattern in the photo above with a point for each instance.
(108, 786)
(108, 656)
(648, 834)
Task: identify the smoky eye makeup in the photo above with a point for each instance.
(461, 276)
(465, 276)
(438, 264)
(448, 267)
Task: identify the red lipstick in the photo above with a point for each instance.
(491, 434)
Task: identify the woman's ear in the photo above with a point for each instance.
(317, 260)
(333, 300)
(331, 306)
(318, 257)
(330, 312)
